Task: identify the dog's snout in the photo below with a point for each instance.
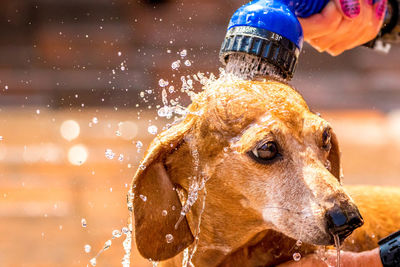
(343, 219)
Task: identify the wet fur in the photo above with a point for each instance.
(253, 213)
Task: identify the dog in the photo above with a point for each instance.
(248, 172)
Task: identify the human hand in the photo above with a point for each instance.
(344, 24)
(347, 259)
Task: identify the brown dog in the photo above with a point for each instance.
(254, 171)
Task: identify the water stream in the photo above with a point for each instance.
(337, 245)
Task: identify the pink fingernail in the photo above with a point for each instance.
(351, 8)
(380, 9)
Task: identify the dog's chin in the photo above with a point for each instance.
(317, 238)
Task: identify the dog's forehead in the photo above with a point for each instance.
(235, 105)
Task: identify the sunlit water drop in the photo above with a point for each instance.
(176, 64)
(107, 245)
(152, 129)
(163, 83)
(109, 154)
(93, 261)
(183, 53)
(144, 198)
(116, 233)
(125, 230)
(169, 238)
(83, 222)
(164, 213)
(296, 256)
(87, 248)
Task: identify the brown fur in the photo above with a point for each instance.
(253, 213)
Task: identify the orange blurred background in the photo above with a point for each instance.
(72, 77)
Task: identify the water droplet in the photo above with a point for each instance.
(169, 238)
(163, 83)
(83, 222)
(139, 144)
(188, 63)
(141, 94)
(38, 111)
(176, 64)
(6, 87)
(152, 129)
(93, 261)
(183, 53)
(121, 157)
(299, 243)
(119, 53)
(142, 167)
(109, 154)
(122, 68)
(144, 198)
(116, 233)
(328, 165)
(164, 213)
(1, 138)
(95, 120)
(296, 256)
(125, 230)
(171, 89)
(88, 248)
(107, 245)
(117, 133)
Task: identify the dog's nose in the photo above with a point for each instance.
(343, 219)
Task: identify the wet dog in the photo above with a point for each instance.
(249, 171)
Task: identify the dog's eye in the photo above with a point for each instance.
(265, 152)
(326, 139)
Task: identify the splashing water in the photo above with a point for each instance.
(337, 245)
(246, 66)
(296, 256)
(126, 230)
(152, 129)
(87, 248)
(169, 238)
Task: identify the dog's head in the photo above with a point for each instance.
(269, 162)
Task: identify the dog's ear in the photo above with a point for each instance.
(157, 207)
(334, 157)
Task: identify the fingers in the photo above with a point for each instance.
(349, 8)
(362, 30)
(321, 24)
(380, 9)
(344, 24)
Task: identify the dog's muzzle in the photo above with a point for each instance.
(343, 219)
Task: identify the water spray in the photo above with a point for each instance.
(265, 38)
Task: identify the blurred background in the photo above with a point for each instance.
(80, 87)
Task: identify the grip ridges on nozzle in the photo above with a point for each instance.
(267, 46)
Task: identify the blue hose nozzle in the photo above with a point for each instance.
(270, 30)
